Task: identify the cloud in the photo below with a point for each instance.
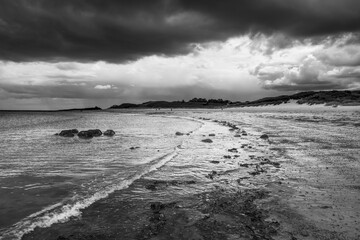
(317, 67)
(242, 68)
(126, 30)
(103, 87)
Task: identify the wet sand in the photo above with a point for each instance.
(287, 186)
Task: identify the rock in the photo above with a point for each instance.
(179, 134)
(244, 165)
(207, 140)
(215, 162)
(264, 136)
(151, 187)
(74, 131)
(85, 135)
(133, 148)
(304, 233)
(212, 135)
(233, 150)
(237, 135)
(68, 133)
(244, 134)
(156, 207)
(227, 156)
(95, 132)
(211, 175)
(109, 133)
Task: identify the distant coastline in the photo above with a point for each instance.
(59, 110)
(330, 98)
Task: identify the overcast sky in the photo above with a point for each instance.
(81, 53)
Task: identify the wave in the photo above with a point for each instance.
(63, 211)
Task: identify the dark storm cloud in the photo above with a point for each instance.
(125, 30)
(305, 18)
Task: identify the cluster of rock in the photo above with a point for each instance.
(87, 134)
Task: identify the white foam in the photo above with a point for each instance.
(62, 212)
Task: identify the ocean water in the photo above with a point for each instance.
(45, 179)
(101, 189)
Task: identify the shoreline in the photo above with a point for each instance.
(264, 197)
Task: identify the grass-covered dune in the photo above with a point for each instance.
(332, 98)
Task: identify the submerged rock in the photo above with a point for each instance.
(207, 140)
(212, 135)
(109, 133)
(212, 174)
(233, 150)
(151, 187)
(156, 207)
(85, 135)
(179, 134)
(74, 131)
(215, 162)
(264, 136)
(95, 132)
(68, 133)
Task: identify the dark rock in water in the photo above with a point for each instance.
(109, 133)
(207, 140)
(211, 175)
(133, 148)
(74, 131)
(157, 207)
(162, 184)
(151, 187)
(244, 165)
(244, 134)
(257, 171)
(85, 135)
(212, 135)
(179, 134)
(215, 162)
(237, 135)
(234, 150)
(95, 132)
(264, 136)
(227, 156)
(68, 133)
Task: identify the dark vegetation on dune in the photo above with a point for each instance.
(332, 98)
(81, 109)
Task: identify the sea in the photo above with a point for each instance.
(55, 186)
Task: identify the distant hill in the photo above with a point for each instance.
(80, 109)
(333, 98)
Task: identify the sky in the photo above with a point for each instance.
(57, 54)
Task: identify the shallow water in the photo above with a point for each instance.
(318, 153)
(45, 179)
